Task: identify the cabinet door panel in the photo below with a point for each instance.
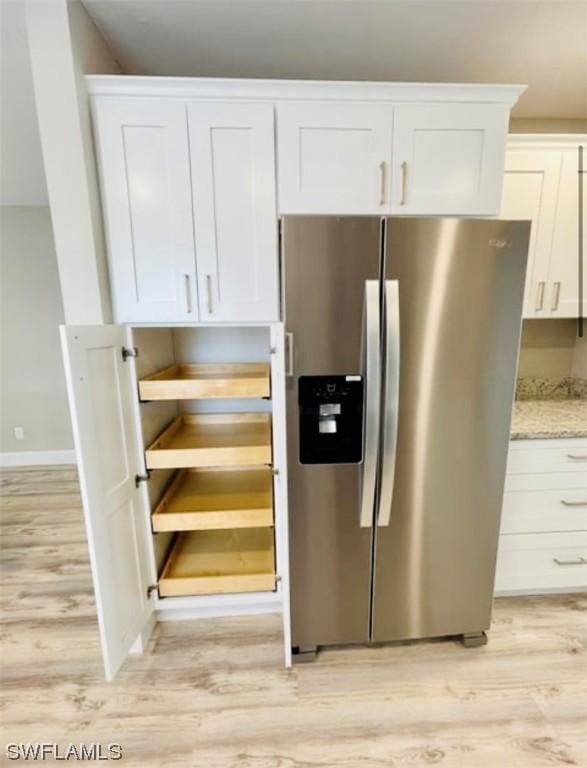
(144, 162)
(101, 391)
(448, 159)
(563, 273)
(334, 158)
(530, 192)
(233, 178)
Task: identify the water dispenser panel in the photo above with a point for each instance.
(330, 419)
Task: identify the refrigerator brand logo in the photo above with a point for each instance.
(500, 243)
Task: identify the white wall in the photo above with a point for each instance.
(64, 45)
(32, 384)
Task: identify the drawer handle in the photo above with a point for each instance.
(577, 456)
(578, 561)
(188, 294)
(404, 168)
(382, 183)
(573, 503)
(209, 293)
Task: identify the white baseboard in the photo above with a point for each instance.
(36, 458)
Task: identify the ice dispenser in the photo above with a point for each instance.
(331, 419)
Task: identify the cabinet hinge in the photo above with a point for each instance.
(152, 588)
(274, 471)
(142, 478)
(129, 352)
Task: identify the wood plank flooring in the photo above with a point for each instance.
(213, 693)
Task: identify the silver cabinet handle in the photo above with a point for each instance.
(556, 294)
(371, 358)
(540, 296)
(209, 293)
(566, 503)
(188, 294)
(289, 354)
(577, 456)
(577, 561)
(382, 183)
(391, 405)
(404, 167)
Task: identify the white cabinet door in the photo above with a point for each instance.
(448, 159)
(334, 158)
(233, 178)
(563, 274)
(145, 179)
(101, 391)
(530, 192)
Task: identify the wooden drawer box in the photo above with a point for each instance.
(215, 562)
(540, 562)
(213, 440)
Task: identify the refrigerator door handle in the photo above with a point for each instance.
(390, 400)
(372, 377)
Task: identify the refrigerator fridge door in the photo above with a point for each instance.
(326, 265)
(461, 285)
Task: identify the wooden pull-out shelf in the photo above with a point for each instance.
(213, 562)
(185, 382)
(208, 499)
(213, 440)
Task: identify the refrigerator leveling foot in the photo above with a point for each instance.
(474, 639)
(302, 654)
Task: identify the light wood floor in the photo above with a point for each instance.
(213, 694)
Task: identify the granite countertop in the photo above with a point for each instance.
(543, 419)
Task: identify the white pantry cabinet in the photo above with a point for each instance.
(145, 179)
(181, 458)
(233, 179)
(334, 158)
(448, 159)
(541, 183)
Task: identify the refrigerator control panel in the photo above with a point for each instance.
(330, 419)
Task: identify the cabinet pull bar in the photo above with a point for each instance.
(577, 456)
(289, 345)
(188, 294)
(540, 296)
(404, 167)
(209, 293)
(556, 293)
(577, 561)
(566, 503)
(382, 183)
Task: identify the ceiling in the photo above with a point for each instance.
(22, 177)
(542, 44)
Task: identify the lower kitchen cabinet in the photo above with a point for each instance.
(184, 497)
(543, 537)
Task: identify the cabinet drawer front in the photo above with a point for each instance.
(569, 457)
(536, 511)
(543, 561)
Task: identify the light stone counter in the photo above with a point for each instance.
(543, 419)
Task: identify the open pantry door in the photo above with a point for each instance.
(100, 385)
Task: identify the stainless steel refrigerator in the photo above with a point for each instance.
(402, 343)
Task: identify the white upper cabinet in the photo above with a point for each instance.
(145, 179)
(448, 159)
(530, 192)
(542, 184)
(334, 158)
(233, 179)
(563, 273)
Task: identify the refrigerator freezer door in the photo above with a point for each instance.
(326, 262)
(461, 285)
